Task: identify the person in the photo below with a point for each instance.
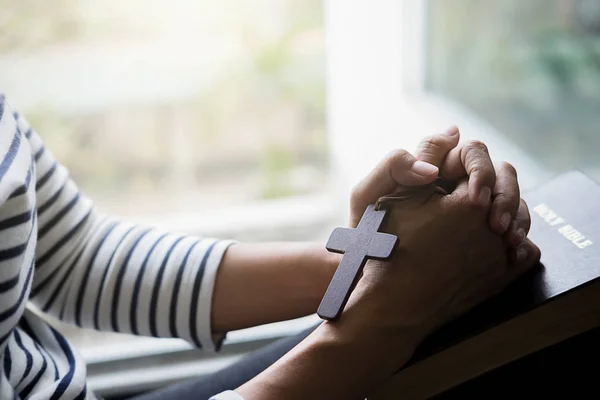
(60, 256)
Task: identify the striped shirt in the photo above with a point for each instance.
(61, 257)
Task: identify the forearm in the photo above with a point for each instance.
(259, 283)
(332, 363)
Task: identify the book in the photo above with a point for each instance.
(555, 302)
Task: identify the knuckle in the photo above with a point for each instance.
(356, 194)
(533, 249)
(523, 212)
(525, 206)
(537, 253)
(436, 146)
(476, 146)
(434, 142)
(501, 199)
(475, 157)
(398, 156)
(508, 167)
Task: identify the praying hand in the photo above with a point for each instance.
(456, 248)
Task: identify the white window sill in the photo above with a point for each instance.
(259, 215)
(146, 346)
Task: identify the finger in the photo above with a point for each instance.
(460, 194)
(472, 159)
(434, 149)
(398, 168)
(519, 227)
(506, 198)
(526, 256)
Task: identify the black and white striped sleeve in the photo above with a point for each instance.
(102, 273)
(17, 224)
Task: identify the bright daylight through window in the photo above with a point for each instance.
(159, 108)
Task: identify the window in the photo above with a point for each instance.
(530, 68)
(157, 107)
(162, 108)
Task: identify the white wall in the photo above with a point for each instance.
(364, 80)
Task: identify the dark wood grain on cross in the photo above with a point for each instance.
(358, 245)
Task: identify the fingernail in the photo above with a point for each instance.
(521, 255)
(453, 131)
(505, 221)
(484, 196)
(423, 168)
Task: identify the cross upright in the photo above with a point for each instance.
(358, 245)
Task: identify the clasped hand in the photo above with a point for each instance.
(455, 250)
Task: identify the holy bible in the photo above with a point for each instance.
(555, 302)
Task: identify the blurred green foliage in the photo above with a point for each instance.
(276, 164)
(258, 120)
(531, 68)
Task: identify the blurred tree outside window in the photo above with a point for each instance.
(157, 106)
(530, 68)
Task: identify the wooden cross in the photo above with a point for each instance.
(357, 245)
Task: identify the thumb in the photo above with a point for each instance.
(398, 168)
(434, 149)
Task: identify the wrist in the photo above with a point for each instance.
(398, 320)
(334, 361)
(370, 355)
